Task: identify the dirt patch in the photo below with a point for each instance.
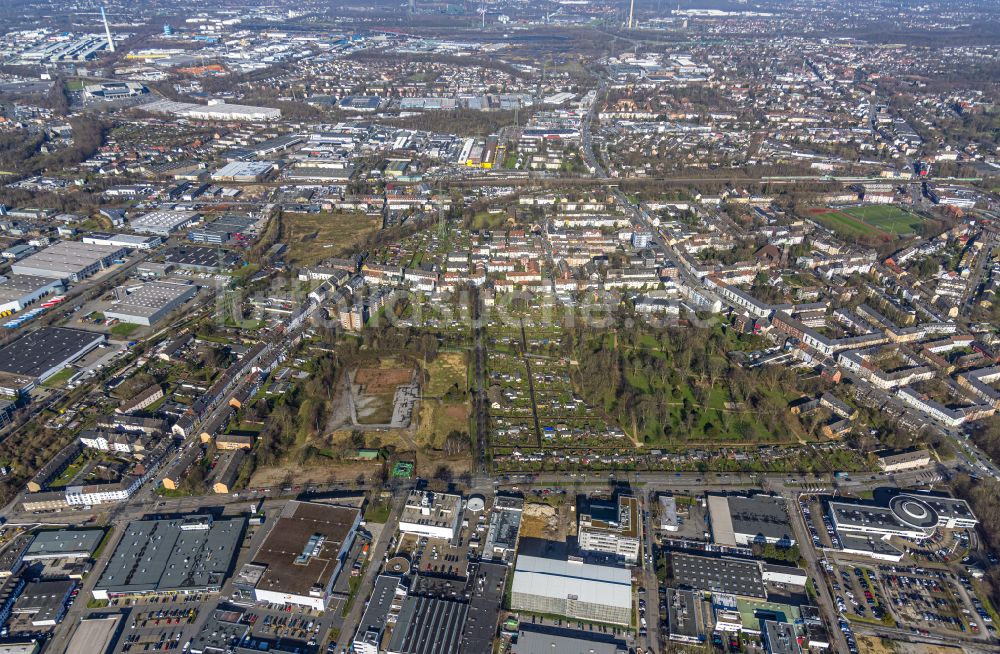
(297, 475)
(547, 522)
(397, 439)
(428, 462)
(445, 372)
(869, 645)
(437, 420)
(314, 237)
(374, 409)
(376, 381)
(872, 645)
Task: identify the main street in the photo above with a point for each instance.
(638, 214)
(816, 573)
(377, 556)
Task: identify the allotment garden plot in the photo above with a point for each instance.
(535, 415)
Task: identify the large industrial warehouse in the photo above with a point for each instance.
(572, 588)
(18, 291)
(131, 241)
(243, 171)
(214, 110)
(70, 260)
(162, 223)
(44, 352)
(183, 555)
(150, 303)
(303, 554)
(428, 624)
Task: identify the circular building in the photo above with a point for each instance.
(476, 504)
(914, 513)
(398, 565)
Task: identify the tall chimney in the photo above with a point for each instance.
(107, 30)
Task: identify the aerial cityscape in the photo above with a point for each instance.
(500, 327)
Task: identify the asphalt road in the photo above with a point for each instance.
(79, 607)
(812, 558)
(367, 585)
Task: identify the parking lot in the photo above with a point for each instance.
(288, 623)
(857, 594)
(151, 629)
(942, 547)
(692, 519)
(821, 530)
(931, 600)
(436, 555)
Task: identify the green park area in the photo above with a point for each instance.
(679, 389)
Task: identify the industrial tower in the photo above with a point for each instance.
(107, 30)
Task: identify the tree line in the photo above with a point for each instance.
(661, 383)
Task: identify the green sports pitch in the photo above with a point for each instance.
(869, 220)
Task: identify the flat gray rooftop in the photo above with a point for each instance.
(379, 605)
(781, 638)
(161, 555)
(64, 543)
(545, 639)
(67, 257)
(684, 613)
(40, 351)
(427, 625)
(17, 286)
(152, 298)
(44, 599)
(717, 574)
(755, 517)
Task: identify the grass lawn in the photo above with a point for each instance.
(246, 428)
(246, 324)
(448, 369)
(72, 470)
(437, 420)
(314, 237)
(638, 381)
(124, 329)
(486, 220)
(378, 512)
(60, 378)
(887, 218)
(846, 225)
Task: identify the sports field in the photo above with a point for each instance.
(868, 222)
(846, 225)
(887, 218)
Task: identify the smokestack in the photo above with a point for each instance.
(413, 6)
(107, 30)
(631, 13)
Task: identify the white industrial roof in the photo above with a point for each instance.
(596, 584)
